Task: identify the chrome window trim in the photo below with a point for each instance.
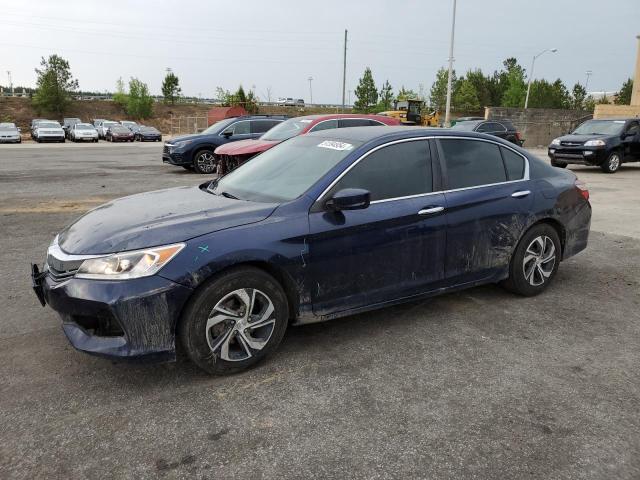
(337, 120)
(433, 137)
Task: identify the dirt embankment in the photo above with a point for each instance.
(21, 112)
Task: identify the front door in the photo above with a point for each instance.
(392, 249)
(631, 142)
(487, 204)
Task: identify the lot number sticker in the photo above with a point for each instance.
(335, 145)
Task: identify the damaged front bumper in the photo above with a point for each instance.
(130, 319)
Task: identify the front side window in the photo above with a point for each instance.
(633, 129)
(325, 125)
(287, 129)
(398, 170)
(471, 163)
(238, 128)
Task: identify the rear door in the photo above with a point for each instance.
(392, 249)
(488, 199)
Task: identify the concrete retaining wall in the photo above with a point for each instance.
(616, 111)
(539, 126)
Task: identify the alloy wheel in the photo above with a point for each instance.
(614, 162)
(240, 324)
(206, 162)
(539, 260)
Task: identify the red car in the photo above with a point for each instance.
(231, 155)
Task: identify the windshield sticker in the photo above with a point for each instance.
(335, 145)
(306, 120)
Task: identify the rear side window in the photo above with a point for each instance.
(326, 125)
(513, 164)
(355, 122)
(398, 170)
(491, 127)
(471, 163)
(261, 126)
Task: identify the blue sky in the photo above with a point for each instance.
(277, 45)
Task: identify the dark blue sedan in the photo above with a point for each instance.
(321, 226)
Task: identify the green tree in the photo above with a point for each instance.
(386, 97)
(171, 88)
(140, 103)
(549, 95)
(604, 100)
(120, 98)
(438, 92)
(624, 96)
(466, 96)
(406, 94)
(481, 85)
(366, 93)
(54, 85)
(589, 104)
(578, 97)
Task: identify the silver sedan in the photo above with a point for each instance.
(9, 133)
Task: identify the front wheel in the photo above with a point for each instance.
(612, 163)
(234, 321)
(535, 261)
(204, 162)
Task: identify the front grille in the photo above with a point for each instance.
(61, 270)
(571, 144)
(165, 149)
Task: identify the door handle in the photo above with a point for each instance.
(521, 193)
(430, 210)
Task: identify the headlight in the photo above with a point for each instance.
(127, 265)
(184, 143)
(555, 141)
(594, 143)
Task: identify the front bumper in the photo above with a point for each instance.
(50, 138)
(175, 158)
(10, 139)
(580, 156)
(150, 138)
(130, 319)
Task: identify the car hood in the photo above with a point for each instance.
(245, 147)
(583, 138)
(157, 218)
(182, 138)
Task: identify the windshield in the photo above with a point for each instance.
(48, 125)
(120, 130)
(602, 127)
(7, 127)
(148, 130)
(287, 129)
(84, 126)
(109, 124)
(285, 171)
(218, 125)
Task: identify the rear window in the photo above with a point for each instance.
(471, 163)
(287, 129)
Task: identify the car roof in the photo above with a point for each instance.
(366, 134)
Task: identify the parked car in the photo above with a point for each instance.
(83, 132)
(300, 103)
(97, 123)
(603, 143)
(142, 133)
(35, 122)
(325, 225)
(105, 125)
(67, 123)
(502, 128)
(196, 151)
(9, 133)
(281, 101)
(118, 133)
(129, 124)
(48, 131)
(289, 102)
(232, 155)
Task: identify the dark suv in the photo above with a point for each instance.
(196, 151)
(603, 143)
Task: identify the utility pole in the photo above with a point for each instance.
(310, 90)
(349, 98)
(533, 64)
(447, 115)
(588, 73)
(10, 82)
(344, 69)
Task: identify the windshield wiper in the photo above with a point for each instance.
(228, 195)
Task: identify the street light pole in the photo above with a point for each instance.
(310, 90)
(453, 30)
(533, 63)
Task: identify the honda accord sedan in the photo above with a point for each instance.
(318, 227)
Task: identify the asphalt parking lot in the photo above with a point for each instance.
(478, 384)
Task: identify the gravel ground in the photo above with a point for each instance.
(477, 384)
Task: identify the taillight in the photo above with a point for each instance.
(582, 189)
(518, 136)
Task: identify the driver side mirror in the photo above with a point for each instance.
(349, 199)
(227, 133)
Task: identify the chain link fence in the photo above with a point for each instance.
(187, 125)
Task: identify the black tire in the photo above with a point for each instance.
(202, 163)
(558, 164)
(612, 163)
(187, 167)
(192, 329)
(525, 275)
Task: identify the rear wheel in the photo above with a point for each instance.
(558, 164)
(234, 321)
(535, 261)
(204, 162)
(612, 163)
